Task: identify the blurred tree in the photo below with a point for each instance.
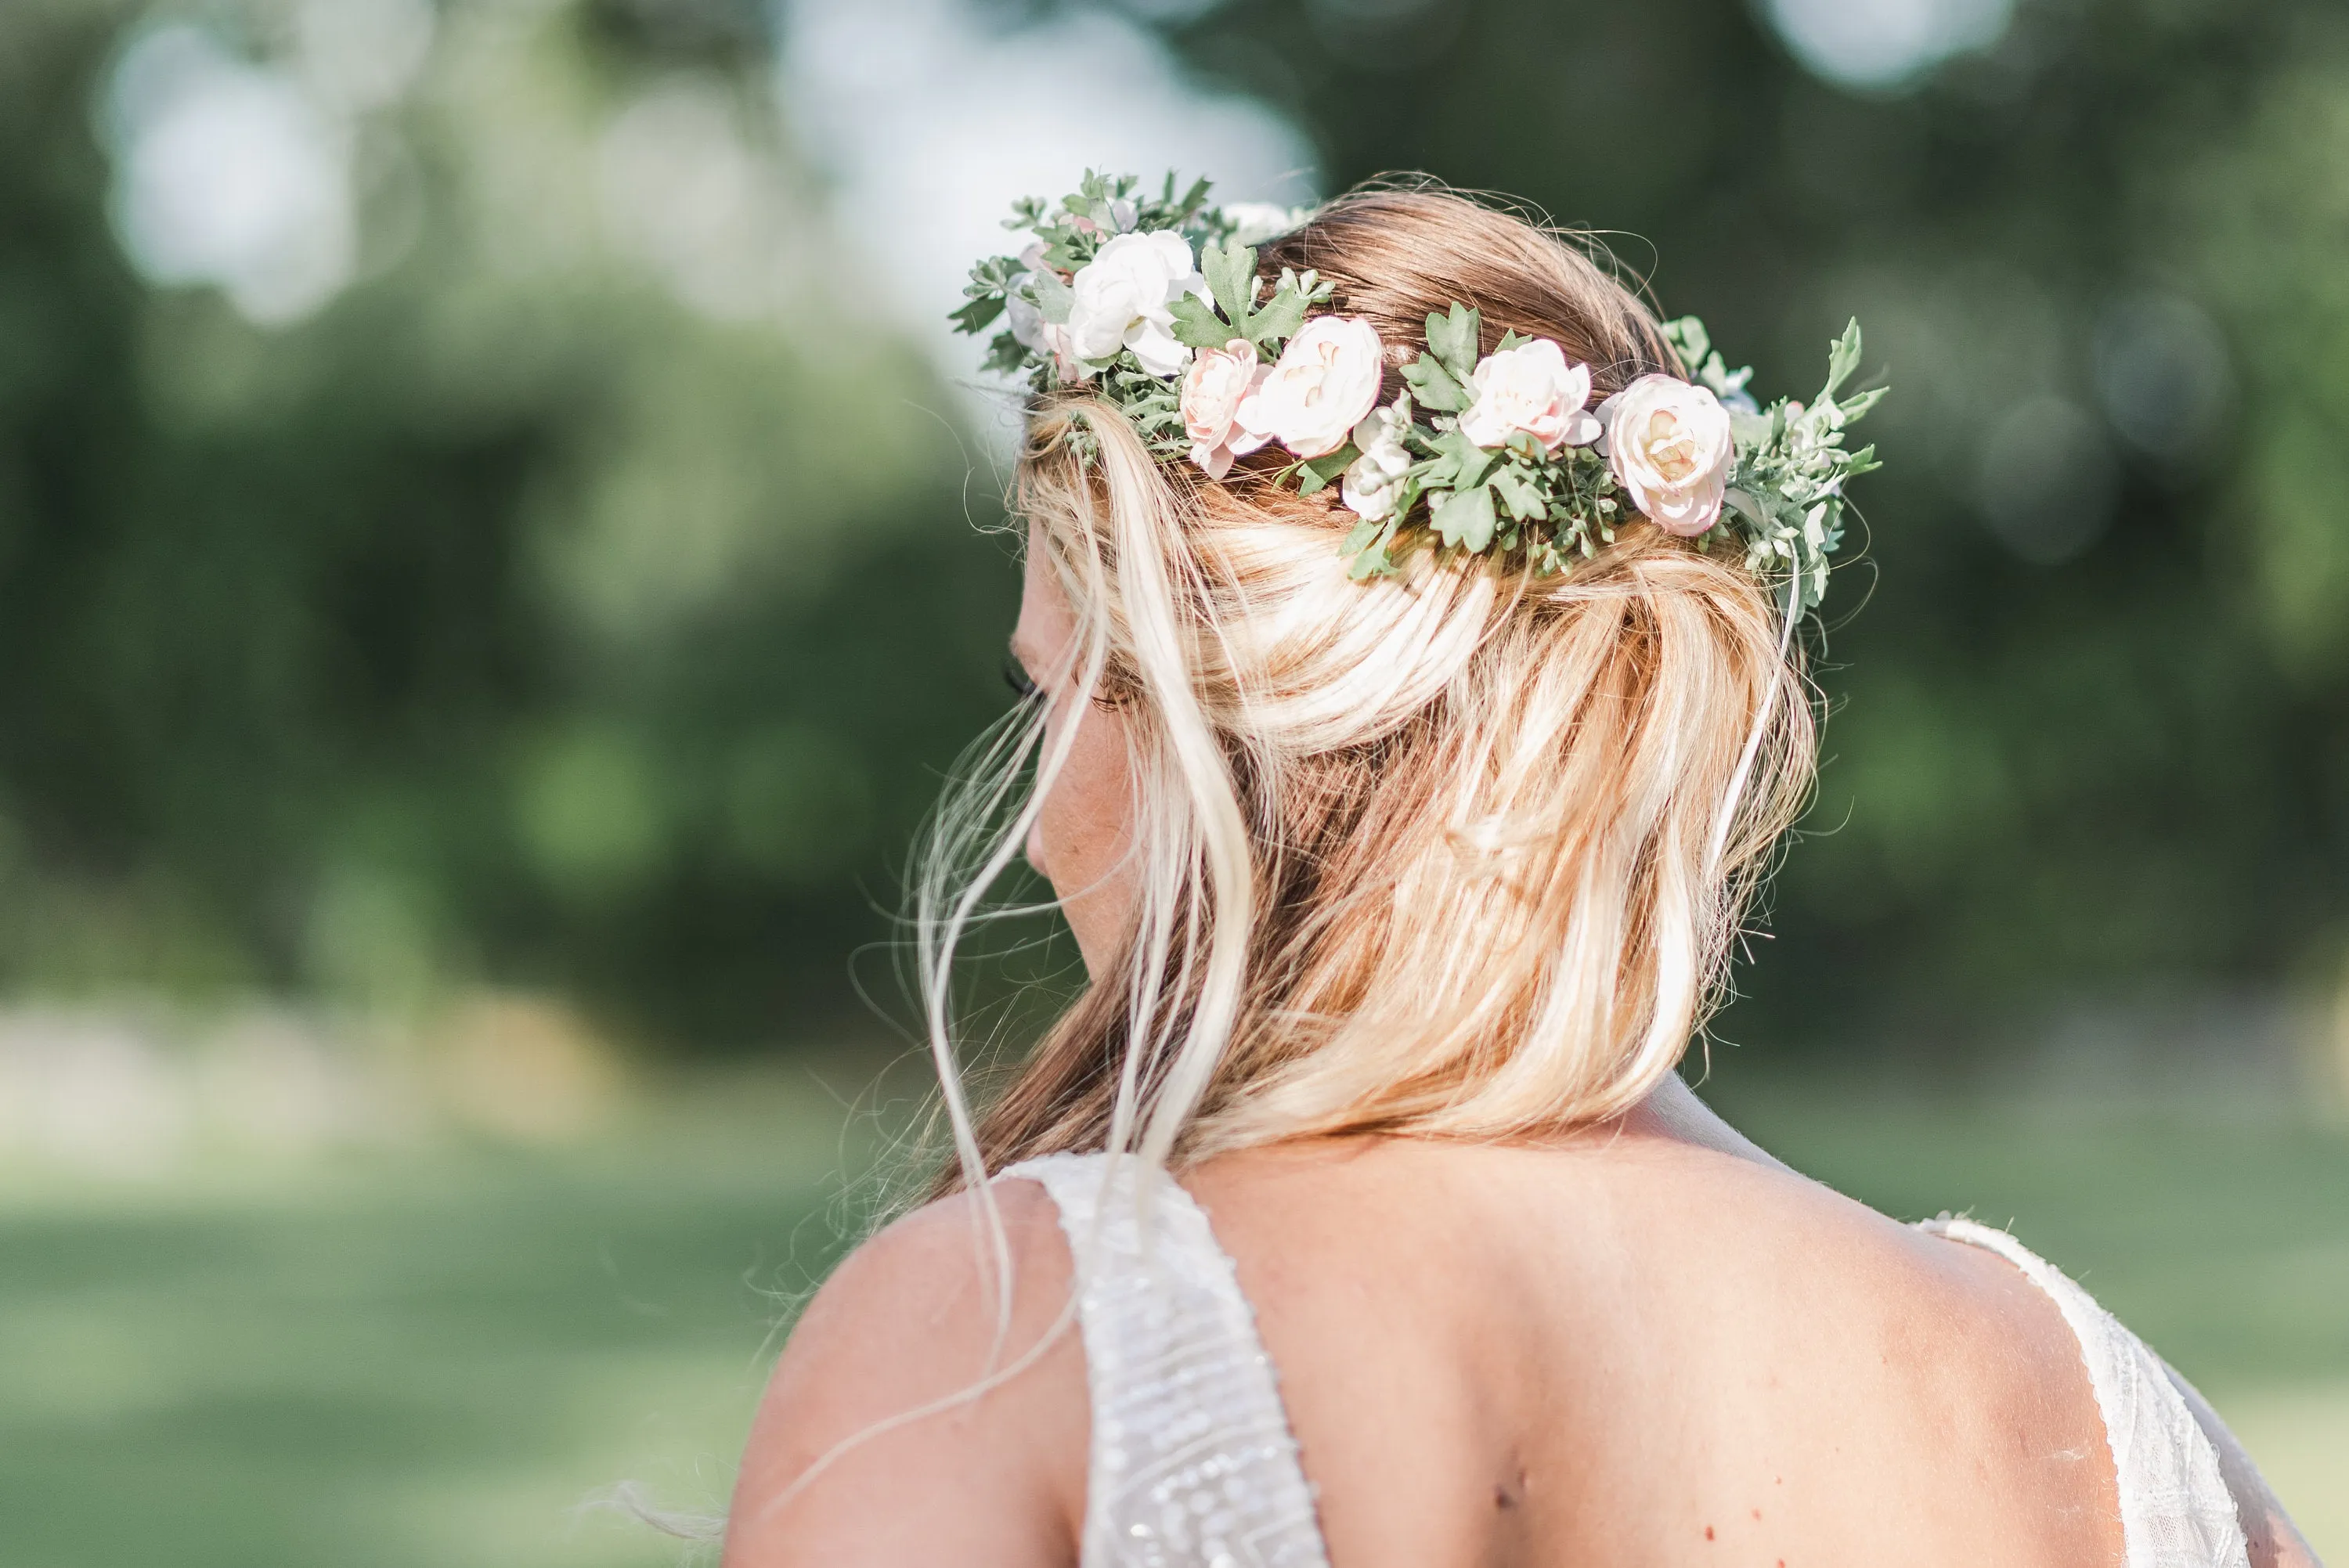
(2092, 729)
(514, 554)
(573, 588)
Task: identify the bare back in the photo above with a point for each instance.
(1629, 1349)
(1642, 1343)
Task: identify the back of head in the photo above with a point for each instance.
(1455, 850)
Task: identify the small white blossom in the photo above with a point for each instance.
(1374, 479)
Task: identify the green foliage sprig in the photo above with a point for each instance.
(1412, 466)
(1785, 494)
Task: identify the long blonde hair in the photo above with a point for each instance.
(1459, 853)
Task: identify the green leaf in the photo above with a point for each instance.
(1509, 340)
(1748, 508)
(977, 314)
(1231, 274)
(1277, 321)
(1466, 518)
(1181, 211)
(1363, 534)
(1687, 334)
(1316, 474)
(1431, 386)
(1843, 359)
(1856, 407)
(1197, 324)
(1451, 339)
(1518, 493)
(1005, 354)
(1463, 459)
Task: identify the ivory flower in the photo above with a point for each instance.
(1123, 297)
(1374, 479)
(1032, 331)
(1325, 380)
(1530, 387)
(1669, 444)
(1218, 379)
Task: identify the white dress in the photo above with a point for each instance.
(1193, 1466)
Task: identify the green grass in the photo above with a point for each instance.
(430, 1362)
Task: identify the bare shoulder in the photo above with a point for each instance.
(909, 1419)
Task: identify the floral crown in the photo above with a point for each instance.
(1156, 303)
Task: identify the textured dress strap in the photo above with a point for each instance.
(1193, 1464)
(2176, 1510)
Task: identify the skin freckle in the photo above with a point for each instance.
(1708, 1533)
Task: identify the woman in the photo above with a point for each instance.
(1409, 617)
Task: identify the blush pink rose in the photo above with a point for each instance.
(1530, 387)
(1325, 383)
(1218, 380)
(1669, 444)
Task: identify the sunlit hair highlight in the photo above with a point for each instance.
(1459, 853)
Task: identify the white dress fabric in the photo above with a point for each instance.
(1193, 1466)
(1193, 1463)
(2176, 1510)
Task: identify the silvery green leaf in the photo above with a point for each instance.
(1451, 339)
(1231, 272)
(1434, 385)
(1054, 299)
(1843, 359)
(1197, 324)
(1689, 338)
(1518, 493)
(1316, 474)
(1466, 518)
(1277, 321)
(1858, 404)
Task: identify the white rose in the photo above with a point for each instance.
(1253, 222)
(1374, 479)
(1325, 381)
(1530, 387)
(1670, 446)
(1123, 297)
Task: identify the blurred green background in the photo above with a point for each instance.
(495, 560)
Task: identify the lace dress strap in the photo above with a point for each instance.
(2176, 1510)
(1193, 1464)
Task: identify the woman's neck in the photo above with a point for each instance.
(1674, 1111)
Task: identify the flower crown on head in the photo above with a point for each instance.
(1156, 304)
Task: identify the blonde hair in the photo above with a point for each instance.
(1459, 853)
